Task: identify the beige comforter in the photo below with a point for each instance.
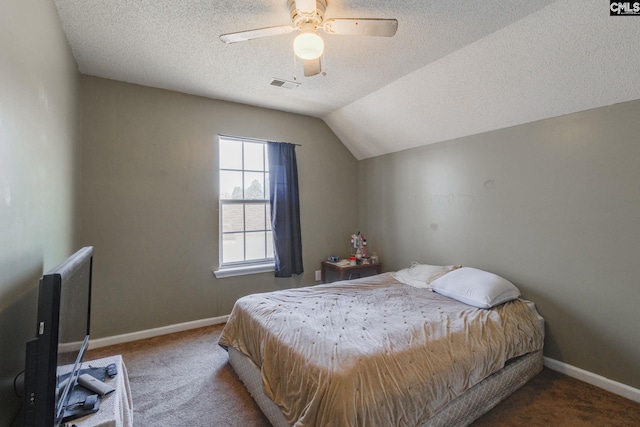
(373, 352)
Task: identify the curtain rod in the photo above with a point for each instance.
(242, 138)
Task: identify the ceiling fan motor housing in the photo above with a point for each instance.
(303, 19)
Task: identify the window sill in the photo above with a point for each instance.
(243, 270)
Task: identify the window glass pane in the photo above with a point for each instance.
(256, 245)
(230, 154)
(266, 185)
(269, 244)
(245, 227)
(268, 213)
(230, 185)
(232, 218)
(254, 185)
(256, 217)
(253, 156)
(232, 247)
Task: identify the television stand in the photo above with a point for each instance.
(116, 409)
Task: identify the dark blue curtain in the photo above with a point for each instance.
(285, 208)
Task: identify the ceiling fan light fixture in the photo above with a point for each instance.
(308, 45)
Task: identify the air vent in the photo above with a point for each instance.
(285, 84)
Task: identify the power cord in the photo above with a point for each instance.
(15, 385)
(17, 393)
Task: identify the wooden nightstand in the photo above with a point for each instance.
(348, 272)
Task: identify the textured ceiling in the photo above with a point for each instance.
(453, 68)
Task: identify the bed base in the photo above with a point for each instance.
(461, 411)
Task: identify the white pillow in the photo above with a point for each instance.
(421, 275)
(475, 287)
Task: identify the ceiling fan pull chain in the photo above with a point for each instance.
(295, 64)
(323, 64)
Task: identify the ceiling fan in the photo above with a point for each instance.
(308, 17)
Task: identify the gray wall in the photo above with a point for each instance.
(38, 174)
(150, 208)
(553, 206)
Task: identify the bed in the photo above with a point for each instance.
(383, 350)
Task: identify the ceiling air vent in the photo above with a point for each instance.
(285, 84)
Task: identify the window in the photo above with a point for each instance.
(246, 240)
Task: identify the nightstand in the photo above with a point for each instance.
(348, 272)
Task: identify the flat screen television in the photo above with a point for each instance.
(54, 356)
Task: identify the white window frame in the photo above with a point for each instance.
(238, 268)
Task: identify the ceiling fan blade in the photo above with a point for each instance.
(312, 67)
(306, 6)
(257, 33)
(362, 27)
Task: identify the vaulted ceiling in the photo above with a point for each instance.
(452, 69)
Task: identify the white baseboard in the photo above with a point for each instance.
(150, 333)
(593, 379)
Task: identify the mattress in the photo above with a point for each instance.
(460, 412)
(374, 351)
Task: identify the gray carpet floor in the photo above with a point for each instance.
(185, 379)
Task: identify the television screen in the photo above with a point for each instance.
(74, 314)
(62, 336)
